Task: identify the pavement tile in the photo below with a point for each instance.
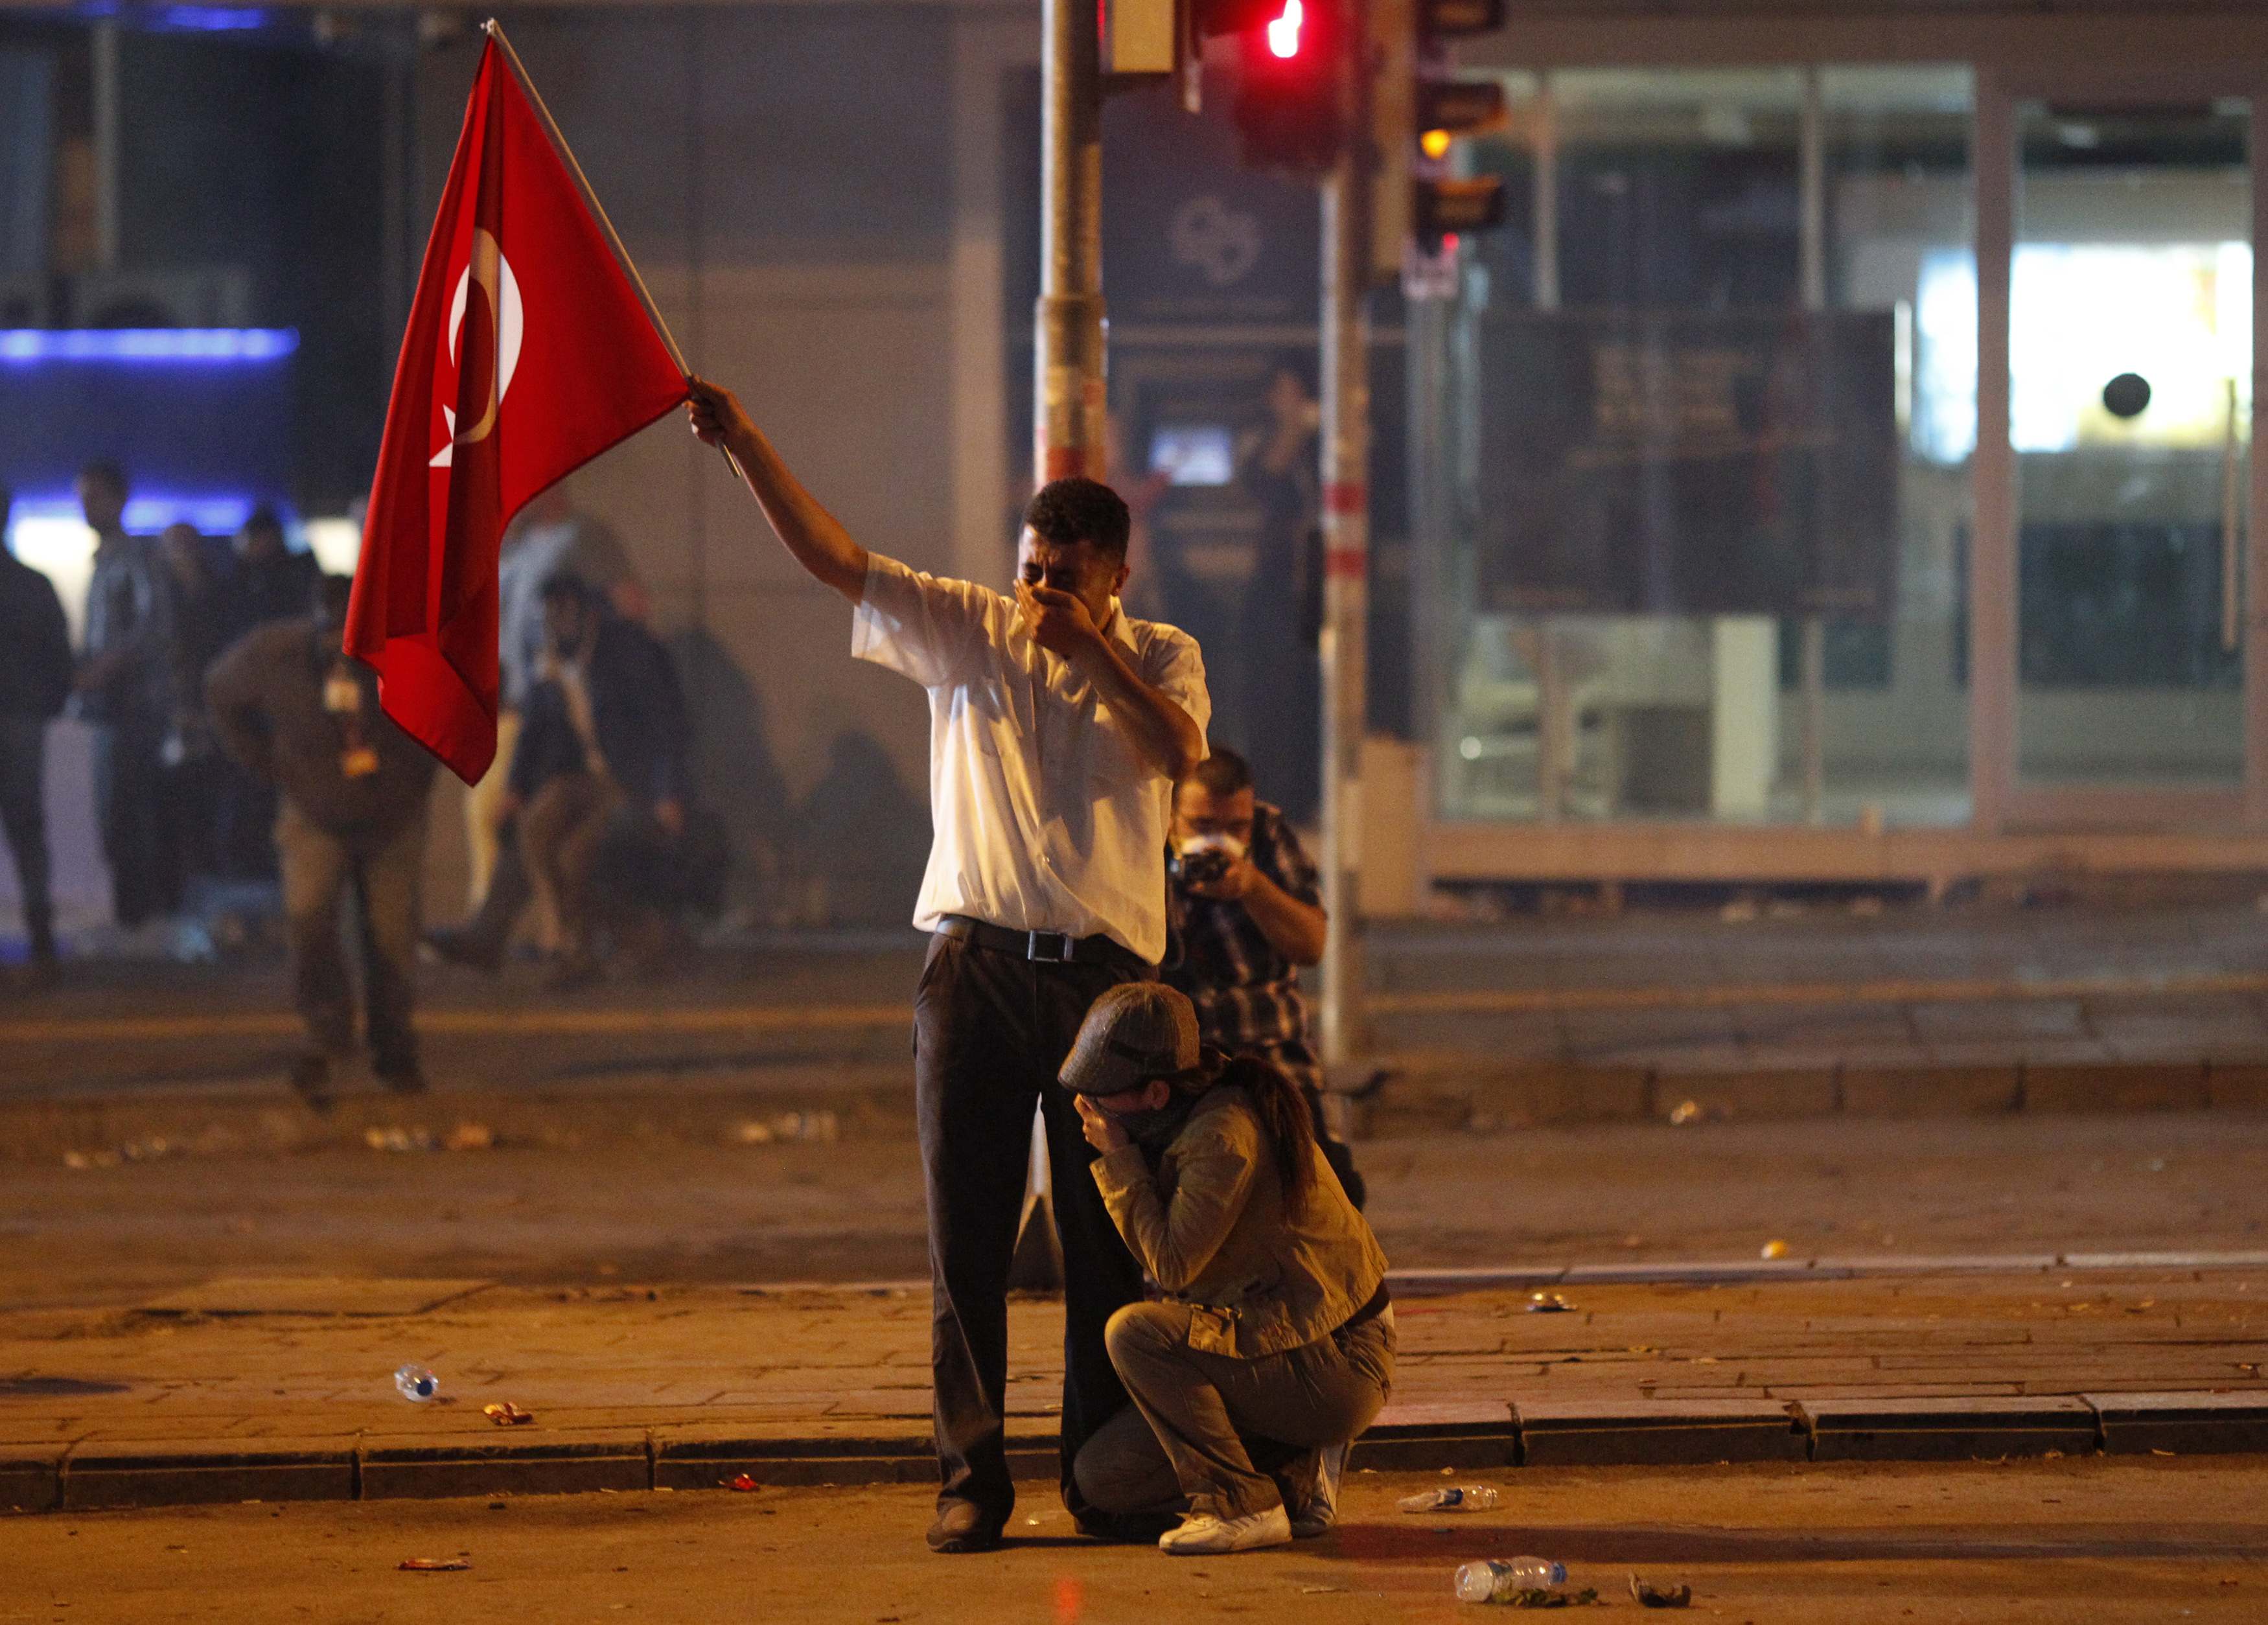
(2185, 1423)
(31, 1477)
(1877, 1090)
(1750, 1090)
(2238, 1083)
(504, 1461)
(2083, 1086)
(1656, 1431)
(105, 1473)
(1880, 1428)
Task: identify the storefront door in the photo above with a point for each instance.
(2115, 575)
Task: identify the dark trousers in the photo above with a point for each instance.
(24, 818)
(991, 1030)
(128, 795)
(318, 868)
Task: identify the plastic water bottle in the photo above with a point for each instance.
(1496, 1579)
(417, 1384)
(1452, 1498)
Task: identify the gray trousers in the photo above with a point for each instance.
(319, 869)
(1199, 1419)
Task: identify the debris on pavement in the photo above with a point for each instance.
(1686, 1112)
(1547, 1302)
(1658, 1596)
(1774, 1248)
(435, 1565)
(398, 1140)
(1450, 1498)
(415, 1383)
(741, 1482)
(470, 1137)
(505, 1414)
(788, 1128)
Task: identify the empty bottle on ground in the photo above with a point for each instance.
(1499, 1579)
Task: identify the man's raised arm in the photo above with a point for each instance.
(817, 541)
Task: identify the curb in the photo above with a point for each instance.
(1446, 1090)
(1429, 1091)
(108, 1474)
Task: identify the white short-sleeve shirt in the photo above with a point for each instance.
(1047, 817)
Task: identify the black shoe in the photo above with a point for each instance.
(1126, 1528)
(311, 1081)
(401, 1077)
(459, 947)
(963, 1526)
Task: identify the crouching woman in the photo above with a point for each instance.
(1271, 1345)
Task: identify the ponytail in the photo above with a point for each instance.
(1283, 1111)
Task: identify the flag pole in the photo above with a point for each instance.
(495, 30)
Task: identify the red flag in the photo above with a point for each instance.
(530, 350)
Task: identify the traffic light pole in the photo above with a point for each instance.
(1068, 421)
(1346, 585)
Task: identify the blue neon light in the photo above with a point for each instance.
(215, 513)
(186, 346)
(210, 19)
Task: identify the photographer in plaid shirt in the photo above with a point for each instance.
(1246, 913)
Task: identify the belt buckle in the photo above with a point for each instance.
(1037, 945)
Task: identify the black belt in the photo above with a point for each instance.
(1039, 947)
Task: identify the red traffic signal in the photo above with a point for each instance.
(1289, 107)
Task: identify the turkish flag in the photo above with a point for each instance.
(530, 351)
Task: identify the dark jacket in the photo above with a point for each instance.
(35, 677)
(282, 589)
(265, 693)
(637, 714)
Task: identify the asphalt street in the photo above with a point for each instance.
(2102, 1541)
(666, 1210)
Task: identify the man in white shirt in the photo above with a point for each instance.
(1058, 725)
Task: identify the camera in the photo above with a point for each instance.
(1199, 866)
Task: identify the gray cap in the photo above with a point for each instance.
(1135, 1032)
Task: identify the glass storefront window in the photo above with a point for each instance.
(1698, 538)
(2130, 401)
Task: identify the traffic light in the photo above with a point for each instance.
(1290, 110)
(1420, 115)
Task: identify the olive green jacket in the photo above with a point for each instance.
(1210, 1228)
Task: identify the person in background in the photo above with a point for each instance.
(266, 582)
(189, 820)
(1269, 1346)
(602, 756)
(35, 680)
(1280, 698)
(1249, 914)
(549, 537)
(289, 706)
(124, 691)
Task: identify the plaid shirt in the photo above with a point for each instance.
(1247, 993)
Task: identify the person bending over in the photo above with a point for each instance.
(1271, 1348)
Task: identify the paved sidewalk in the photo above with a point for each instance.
(280, 1389)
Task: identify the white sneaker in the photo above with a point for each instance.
(1204, 1535)
(1316, 1506)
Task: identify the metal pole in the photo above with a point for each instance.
(1554, 735)
(1070, 425)
(1069, 429)
(1813, 157)
(1346, 592)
